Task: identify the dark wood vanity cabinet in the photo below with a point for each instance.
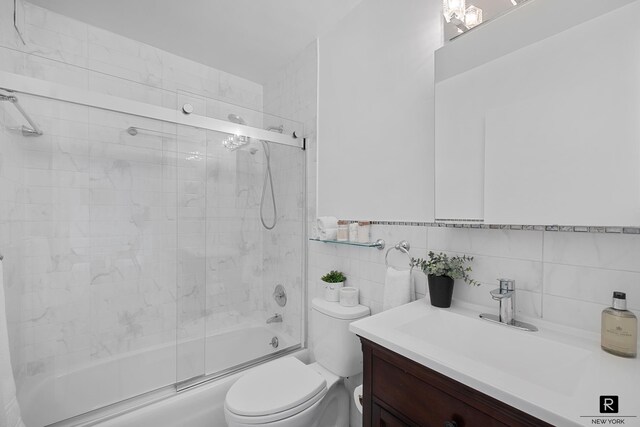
(400, 392)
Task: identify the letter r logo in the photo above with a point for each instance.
(608, 404)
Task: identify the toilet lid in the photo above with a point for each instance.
(274, 387)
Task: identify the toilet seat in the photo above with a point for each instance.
(275, 391)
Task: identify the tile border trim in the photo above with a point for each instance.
(528, 227)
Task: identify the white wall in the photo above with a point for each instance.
(375, 116)
(563, 277)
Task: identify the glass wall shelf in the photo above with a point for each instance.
(377, 244)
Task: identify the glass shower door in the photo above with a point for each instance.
(141, 260)
(246, 186)
(96, 275)
(229, 262)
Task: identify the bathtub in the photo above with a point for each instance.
(49, 400)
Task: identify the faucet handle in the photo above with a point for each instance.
(498, 294)
(507, 285)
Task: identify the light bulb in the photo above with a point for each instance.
(453, 9)
(472, 16)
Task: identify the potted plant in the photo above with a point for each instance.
(441, 271)
(333, 280)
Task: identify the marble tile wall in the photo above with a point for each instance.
(11, 224)
(99, 277)
(66, 51)
(110, 220)
(292, 93)
(562, 277)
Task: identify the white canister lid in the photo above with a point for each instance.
(334, 309)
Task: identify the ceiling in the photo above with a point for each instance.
(248, 38)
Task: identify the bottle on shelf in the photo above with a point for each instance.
(343, 231)
(619, 328)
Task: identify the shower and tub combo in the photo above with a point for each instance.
(154, 251)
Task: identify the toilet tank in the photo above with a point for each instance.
(334, 346)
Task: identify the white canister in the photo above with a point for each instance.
(349, 296)
(343, 231)
(332, 291)
(364, 231)
(353, 232)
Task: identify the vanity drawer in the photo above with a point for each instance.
(400, 392)
(421, 402)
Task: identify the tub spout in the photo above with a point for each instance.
(276, 318)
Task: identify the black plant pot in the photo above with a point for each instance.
(440, 290)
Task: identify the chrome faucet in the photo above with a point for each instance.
(506, 296)
(276, 318)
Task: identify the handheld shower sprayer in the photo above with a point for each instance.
(234, 142)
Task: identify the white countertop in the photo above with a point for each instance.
(556, 374)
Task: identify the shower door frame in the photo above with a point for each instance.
(15, 83)
(19, 84)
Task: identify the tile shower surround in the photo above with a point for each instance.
(82, 290)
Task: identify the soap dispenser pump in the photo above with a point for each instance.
(619, 328)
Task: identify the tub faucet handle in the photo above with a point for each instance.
(276, 318)
(280, 295)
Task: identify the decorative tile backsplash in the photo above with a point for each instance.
(562, 277)
(476, 224)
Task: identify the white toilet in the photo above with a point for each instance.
(288, 393)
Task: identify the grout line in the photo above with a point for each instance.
(484, 255)
(592, 267)
(478, 224)
(542, 280)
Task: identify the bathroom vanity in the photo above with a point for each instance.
(425, 366)
(401, 392)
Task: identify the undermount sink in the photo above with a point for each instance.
(534, 359)
(555, 374)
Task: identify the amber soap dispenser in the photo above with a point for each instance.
(619, 328)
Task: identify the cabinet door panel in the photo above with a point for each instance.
(382, 418)
(570, 154)
(551, 130)
(568, 159)
(459, 152)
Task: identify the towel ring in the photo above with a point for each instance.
(403, 246)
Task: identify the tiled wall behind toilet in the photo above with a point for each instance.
(561, 277)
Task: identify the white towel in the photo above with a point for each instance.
(9, 408)
(397, 288)
(328, 234)
(327, 227)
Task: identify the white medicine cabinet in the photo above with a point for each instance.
(542, 129)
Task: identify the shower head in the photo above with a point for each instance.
(236, 119)
(233, 142)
